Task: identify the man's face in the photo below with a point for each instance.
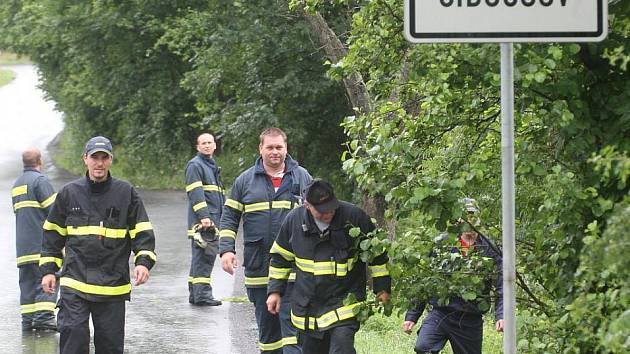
(206, 144)
(98, 165)
(323, 217)
(273, 151)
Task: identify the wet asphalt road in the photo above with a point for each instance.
(159, 318)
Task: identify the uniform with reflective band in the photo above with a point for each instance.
(99, 225)
(328, 267)
(205, 193)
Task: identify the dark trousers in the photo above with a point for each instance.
(199, 287)
(35, 305)
(276, 334)
(463, 330)
(108, 319)
(337, 340)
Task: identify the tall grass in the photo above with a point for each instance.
(384, 335)
(6, 76)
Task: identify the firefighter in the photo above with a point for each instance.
(205, 201)
(459, 321)
(32, 196)
(262, 196)
(99, 220)
(316, 238)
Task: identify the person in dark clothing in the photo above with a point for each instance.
(98, 220)
(460, 322)
(32, 196)
(316, 238)
(261, 197)
(205, 202)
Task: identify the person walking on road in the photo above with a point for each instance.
(262, 196)
(205, 203)
(316, 238)
(460, 321)
(32, 196)
(99, 220)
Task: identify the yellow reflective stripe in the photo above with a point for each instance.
(95, 289)
(281, 204)
(141, 226)
(276, 248)
(256, 281)
(279, 273)
(227, 233)
(234, 204)
(57, 261)
(27, 204)
(211, 188)
(54, 227)
(96, 230)
(326, 320)
(249, 208)
(150, 254)
(289, 340)
(19, 190)
(378, 270)
(265, 347)
(28, 258)
(46, 203)
(199, 205)
(325, 268)
(193, 186)
(199, 280)
(38, 306)
(292, 276)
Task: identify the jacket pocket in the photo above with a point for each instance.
(253, 252)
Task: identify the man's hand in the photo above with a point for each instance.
(273, 303)
(228, 262)
(407, 326)
(499, 325)
(49, 283)
(141, 274)
(206, 223)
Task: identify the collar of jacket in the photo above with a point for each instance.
(289, 165)
(206, 159)
(99, 187)
(32, 169)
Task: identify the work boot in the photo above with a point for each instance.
(208, 302)
(46, 325)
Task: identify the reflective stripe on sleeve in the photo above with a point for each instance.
(46, 203)
(378, 270)
(57, 261)
(199, 205)
(227, 233)
(141, 226)
(199, 280)
(193, 186)
(147, 253)
(276, 248)
(29, 258)
(54, 227)
(234, 204)
(19, 190)
(279, 273)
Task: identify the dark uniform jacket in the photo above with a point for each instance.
(32, 196)
(262, 209)
(456, 303)
(99, 224)
(205, 191)
(328, 267)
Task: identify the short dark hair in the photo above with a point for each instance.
(273, 131)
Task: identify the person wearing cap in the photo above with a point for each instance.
(205, 202)
(99, 220)
(261, 197)
(316, 238)
(32, 196)
(460, 321)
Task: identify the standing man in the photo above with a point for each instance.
(316, 238)
(99, 220)
(262, 196)
(205, 201)
(32, 196)
(460, 321)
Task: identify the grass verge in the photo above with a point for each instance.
(384, 335)
(7, 58)
(6, 76)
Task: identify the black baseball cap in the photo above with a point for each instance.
(321, 196)
(98, 143)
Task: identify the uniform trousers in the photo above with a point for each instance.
(36, 305)
(336, 340)
(108, 319)
(200, 275)
(462, 329)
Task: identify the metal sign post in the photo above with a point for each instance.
(506, 21)
(507, 192)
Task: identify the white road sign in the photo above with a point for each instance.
(430, 21)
